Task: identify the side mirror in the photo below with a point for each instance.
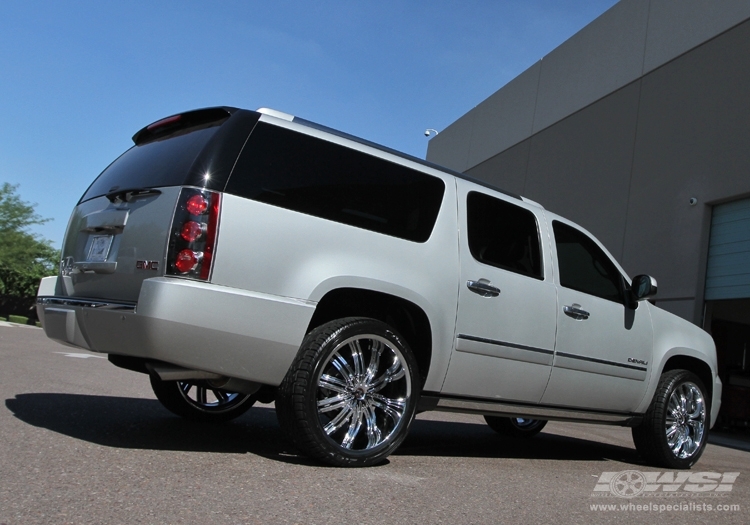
(643, 287)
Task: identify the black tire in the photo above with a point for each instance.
(198, 401)
(516, 427)
(351, 393)
(674, 430)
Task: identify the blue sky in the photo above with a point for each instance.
(78, 78)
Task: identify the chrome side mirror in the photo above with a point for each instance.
(643, 287)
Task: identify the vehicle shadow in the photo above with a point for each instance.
(442, 438)
(122, 422)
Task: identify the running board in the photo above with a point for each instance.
(500, 408)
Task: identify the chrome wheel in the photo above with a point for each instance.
(211, 400)
(674, 429)
(200, 401)
(362, 392)
(350, 395)
(685, 420)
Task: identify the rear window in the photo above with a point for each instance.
(151, 165)
(313, 176)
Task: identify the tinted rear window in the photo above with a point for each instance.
(155, 164)
(313, 176)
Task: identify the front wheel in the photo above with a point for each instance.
(517, 427)
(674, 430)
(351, 394)
(200, 401)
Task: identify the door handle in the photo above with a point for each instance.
(483, 287)
(575, 312)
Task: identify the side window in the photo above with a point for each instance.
(313, 176)
(584, 266)
(503, 235)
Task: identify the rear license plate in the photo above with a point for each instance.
(99, 250)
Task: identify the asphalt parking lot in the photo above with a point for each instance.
(84, 442)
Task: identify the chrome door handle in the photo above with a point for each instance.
(575, 312)
(483, 287)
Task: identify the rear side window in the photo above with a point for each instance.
(503, 235)
(584, 266)
(313, 176)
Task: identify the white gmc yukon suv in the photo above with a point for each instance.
(237, 255)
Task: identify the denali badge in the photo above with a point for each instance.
(637, 361)
(147, 265)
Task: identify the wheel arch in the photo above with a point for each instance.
(698, 367)
(406, 317)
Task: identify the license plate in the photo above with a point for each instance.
(99, 250)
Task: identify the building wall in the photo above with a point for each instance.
(619, 127)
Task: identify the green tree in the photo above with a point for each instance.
(24, 257)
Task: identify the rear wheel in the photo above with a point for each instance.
(199, 401)
(351, 393)
(517, 427)
(674, 430)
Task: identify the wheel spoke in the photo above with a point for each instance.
(372, 369)
(332, 383)
(201, 395)
(340, 364)
(340, 419)
(393, 408)
(333, 403)
(221, 396)
(395, 372)
(374, 435)
(354, 426)
(357, 358)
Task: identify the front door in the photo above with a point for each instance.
(604, 345)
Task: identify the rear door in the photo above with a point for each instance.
(506, 314)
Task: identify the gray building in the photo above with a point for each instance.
(638, 128)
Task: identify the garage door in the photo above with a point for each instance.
(728, 271)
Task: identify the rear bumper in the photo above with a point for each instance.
(196, 325)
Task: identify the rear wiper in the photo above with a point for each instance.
(129, 194)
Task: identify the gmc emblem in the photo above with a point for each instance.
(147, 265)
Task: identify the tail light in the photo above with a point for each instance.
(193, 236)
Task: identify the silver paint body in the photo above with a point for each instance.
(272, 266)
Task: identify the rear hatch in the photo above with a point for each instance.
(122, 228)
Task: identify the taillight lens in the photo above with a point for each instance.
(191, 231)
(197, 205)
(187, 260)
(193, 235)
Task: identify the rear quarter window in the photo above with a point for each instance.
(316, 177)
